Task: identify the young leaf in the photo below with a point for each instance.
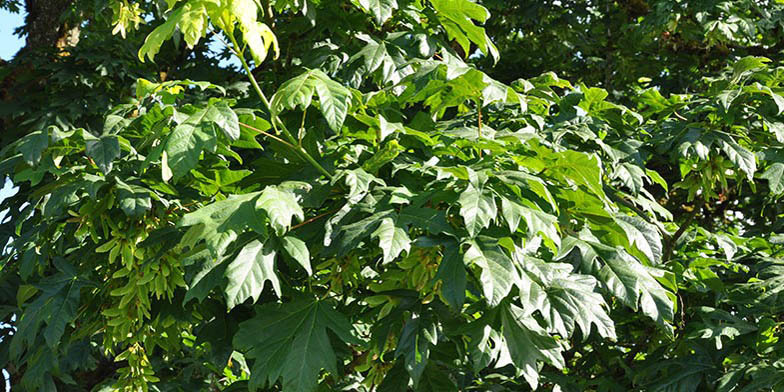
(193, 22)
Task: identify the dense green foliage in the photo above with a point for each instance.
(393, 195)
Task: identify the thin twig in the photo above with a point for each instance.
(678, 116)
(315, 218)
(269, 135)
(685, 225)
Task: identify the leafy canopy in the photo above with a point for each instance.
(381, 207)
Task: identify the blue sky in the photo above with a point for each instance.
(9, 45)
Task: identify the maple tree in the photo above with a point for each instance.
(393, 195)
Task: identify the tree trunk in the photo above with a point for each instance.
(45, 26)
(48, 32)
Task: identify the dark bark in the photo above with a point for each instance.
(46, 27)
(48, 33)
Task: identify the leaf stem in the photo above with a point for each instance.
(274, 118)
(479, 123)
(301, 128)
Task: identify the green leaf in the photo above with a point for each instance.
(457, 18)
(153, 42)
(626, 278)
(528, 344)
(298, 250)
(280, 206)
(296, 92)
(740, 156)
(538, 222)
(643, 235)
(383, 156)
(477, 209)
(396, 379)
(630, 175)
(380, 9)
(452, 273)
(289, 342)
(436, 379)
(247, 274)
(563, 298)
(334, 98)
(103, 150)
(581, 168)
(221, 115)
(358, 182)
(746, 64)
(134, 200)
(219, 223)
(775, 176)
(51, 311)
(187, 141)
(523, 180)
(572, 300)
(498, 273)
(375, 55)
(392, 239)
(416, 340)
(206, 274)
(32, 146)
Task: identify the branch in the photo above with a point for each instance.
(274, 118)
(670, 246)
